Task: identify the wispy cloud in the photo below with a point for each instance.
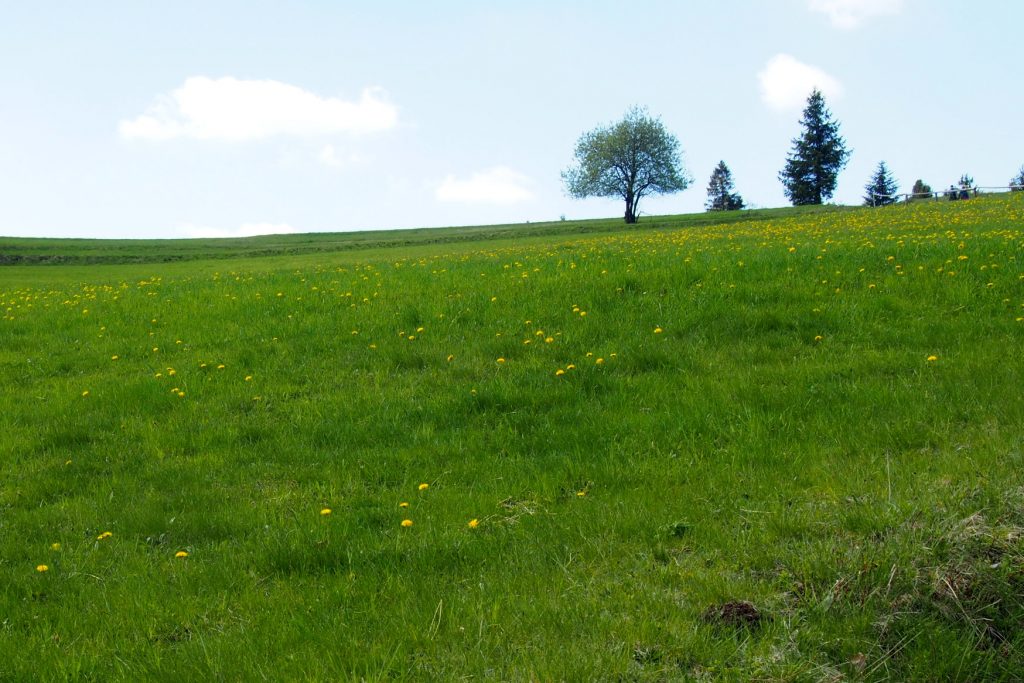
(786, 82)
(497, 185)
(851, 14)
(233, 109)
(330, 156)
(244, 230)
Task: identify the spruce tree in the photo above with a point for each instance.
(818, 155)
(720, 191)
(882, 187)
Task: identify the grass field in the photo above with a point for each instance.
(787, 447)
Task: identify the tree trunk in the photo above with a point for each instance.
(630, 210)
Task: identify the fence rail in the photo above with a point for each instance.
(950, 194)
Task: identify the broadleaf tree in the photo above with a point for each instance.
(1017, 182)
(881, 189)
(631, 159)
(720, 191)
(818, 155)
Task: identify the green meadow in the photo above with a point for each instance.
(775, 445)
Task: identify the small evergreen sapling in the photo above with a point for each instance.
(720, 191)
(881, 190)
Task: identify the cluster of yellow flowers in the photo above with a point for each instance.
(102, 536)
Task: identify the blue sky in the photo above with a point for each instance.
(131, 119)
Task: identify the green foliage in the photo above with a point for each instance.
(630, 159)
(818, 155)
(881, 190)
(966, 181)
(921, 190)
(720, 191)
(749, 467)
(1017, 182)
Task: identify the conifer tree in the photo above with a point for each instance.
(818, 155)
(880, 191)
(720, 191)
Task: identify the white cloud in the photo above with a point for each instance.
(233, 109)
(786, 83)
(329, 157)
(498, 185)
(244, 230)
(850, 14)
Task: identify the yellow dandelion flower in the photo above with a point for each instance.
(473, 523)
(403, 504)
(42, 568)
(501, 361)
(181, 554)
(325, 511)
(113, 358)
(155, 349)
(581, 494)
(423, 487)
(570, 366)
(559, 372)
(818, 337)
(548, 340)
(181, 394)
(406, 523)
(220, 366)
(55, 546)
(932, 359)
(657, 330)
(85, 393)
(451, 357)
(105, 535)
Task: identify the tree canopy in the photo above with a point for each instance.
(631, 159)
(1017, 182)
(818, 155)
(720, 191)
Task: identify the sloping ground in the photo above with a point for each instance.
(786, 449)
(45, 251)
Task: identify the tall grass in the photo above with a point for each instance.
(787, 449)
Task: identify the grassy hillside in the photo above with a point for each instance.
(36, 251)
(785, 448)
